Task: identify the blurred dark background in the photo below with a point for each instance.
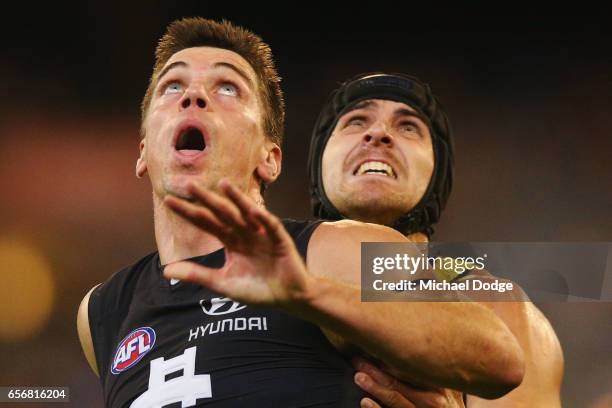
(529, 96)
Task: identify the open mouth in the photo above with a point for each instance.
(375, 167)
(190, 139)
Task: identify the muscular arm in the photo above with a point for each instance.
(456, 345)
(541, 386)
(85, 332)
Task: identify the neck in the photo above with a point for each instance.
(177, 238)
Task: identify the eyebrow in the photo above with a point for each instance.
(369, 104)
(175, 64)
(406, 112)
(237, 70)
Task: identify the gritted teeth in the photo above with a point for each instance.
(190, 139)
(375, 167)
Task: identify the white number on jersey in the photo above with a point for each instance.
(185, 389)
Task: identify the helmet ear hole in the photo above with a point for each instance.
(401, 88)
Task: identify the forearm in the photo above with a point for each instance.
(456, 345)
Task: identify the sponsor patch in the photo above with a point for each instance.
(220, 306)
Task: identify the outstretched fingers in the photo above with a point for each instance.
(243, 202)
(198, 215)
(195, 273)
(272, 225)
(224, 209)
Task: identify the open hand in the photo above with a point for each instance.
(262, 264)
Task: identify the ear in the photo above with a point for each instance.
(141, 163)
(269, 167)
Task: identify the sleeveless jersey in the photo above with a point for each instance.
(159, 344)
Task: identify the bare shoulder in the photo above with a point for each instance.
(334, 250)
(551, 353)
(515, 307)
(515, 294)
(544, 363)
(356, 231)
(85, 331)
(529, 325)
(541, 385)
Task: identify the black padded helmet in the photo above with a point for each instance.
(400, 88)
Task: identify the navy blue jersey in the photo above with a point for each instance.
(159, 344)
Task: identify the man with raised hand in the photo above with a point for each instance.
(382, 152)
(249, 331)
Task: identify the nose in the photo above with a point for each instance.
(193, 98)
(378, 135)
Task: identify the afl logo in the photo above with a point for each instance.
(220, 306)
(133, 348)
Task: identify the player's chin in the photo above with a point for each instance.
(381, 198)
(178, 185)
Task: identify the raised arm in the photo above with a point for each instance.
(541, 386)
(456, 345)
(459, 345)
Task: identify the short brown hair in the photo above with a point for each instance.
(200, 32)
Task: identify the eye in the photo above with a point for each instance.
(228, 89)
(355, 121)
(172, 88)
(409, 127)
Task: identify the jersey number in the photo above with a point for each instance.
(185, 389)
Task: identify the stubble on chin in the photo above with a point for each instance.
(382, 210)
(178, 186)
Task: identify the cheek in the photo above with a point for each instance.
(254, 118)
(153, 127)
(244, 121)
(429, 161)
(423, 160)
(157, 144)
(244, 142)
(231, 103)
(165, 102)
(159, 106)
(330, 164)
(248, 109)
